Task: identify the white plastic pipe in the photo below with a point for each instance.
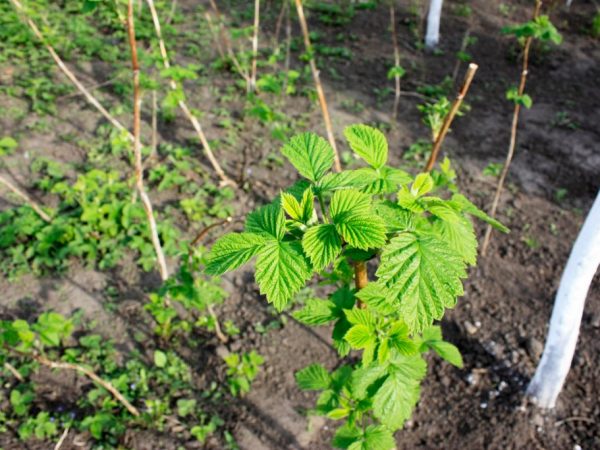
(567, 312)
(432, 36)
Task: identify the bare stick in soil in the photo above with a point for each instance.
(137, 146)
(23, 196)
(252, 84)
(186, 111)
(224, 37)
(318, 86)
(513, 134)
(8, 366)
(213, 33)
(89, 373)
(70, 75)
(396, 59)
(154, 141)
(288, 45)
(62, 439)
(463, 47)
(450, 116)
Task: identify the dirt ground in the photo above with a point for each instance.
(501, 322)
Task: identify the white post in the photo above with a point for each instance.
(432, 36)
(567, 312)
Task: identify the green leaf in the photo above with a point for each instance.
(395, 399)
(160, 358)
(424, 273)
(369, 143)
(316, 312)
(395, 217)
(360, 336)
(291, 206)
(460, 236)
(233, 250)
(281, 271)
(346, 435)
(322, 244)
(313, 378)
(473, 210)
(422, 185)
(311, 155)
(268, 221)
(365, 377)
(352, 215)
(377, 297)
(432, 338)
(377, 438)
(358, 178)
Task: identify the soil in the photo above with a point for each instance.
(501, 322)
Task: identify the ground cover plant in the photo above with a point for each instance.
(235, 224)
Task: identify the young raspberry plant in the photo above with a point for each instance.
(334, 224)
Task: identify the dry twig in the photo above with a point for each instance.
(195, 123)
(513, 134)
(396, 59)
(137, 146)
(252, 84)
(318, 86)
(33, 205)
(91, 375)
(450, 116)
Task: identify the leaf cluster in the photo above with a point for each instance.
(418, 229)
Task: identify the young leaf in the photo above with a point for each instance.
(316, 312)
(313, 378)
(322, 244)
(377, 438)
(351, 213)
(432, 339)
(268, 221)
(360, 336)
(291, 206)
(395, 399)
(473, 210)
(377, 297)
(460, 236)
(281, 271)
(311, 155)
(424, 273)
(233, 250)
(369, 143)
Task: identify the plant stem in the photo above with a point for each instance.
(318, 86)
(513, 134)
(137, 146)
(322, 205)
(225, 180)
(252, 84)
(33, 205)
(396, 59)
(61, 65)
(450, 116)
(361, 278)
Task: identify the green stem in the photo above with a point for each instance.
(322, 205)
